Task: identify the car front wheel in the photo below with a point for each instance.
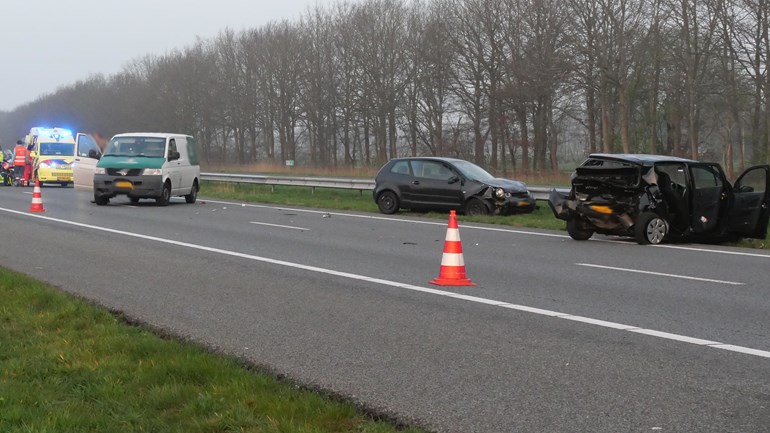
(578, 231)
(475, 206)
(650, 229)
(387, 201)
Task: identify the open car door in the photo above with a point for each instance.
(83, 168)
(749, 212)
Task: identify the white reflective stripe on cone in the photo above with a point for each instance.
(452, 259)
(453, 235)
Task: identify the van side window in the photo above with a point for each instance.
(192, 151)
(171, 147)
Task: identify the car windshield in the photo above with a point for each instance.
(472, 171)
(152, 147)
(64, 149)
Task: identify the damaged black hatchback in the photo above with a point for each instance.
(653, 198)
(447, 183)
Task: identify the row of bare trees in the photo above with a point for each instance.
(511, 84)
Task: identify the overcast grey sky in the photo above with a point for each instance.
(45, 44)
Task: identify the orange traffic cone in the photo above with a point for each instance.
(452, 271)
(37, 199)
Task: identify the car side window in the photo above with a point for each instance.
(434, 170)
(755, 180)
(706, 177)
(401, 167)
(86, 144)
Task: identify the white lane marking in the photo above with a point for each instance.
(660, 274)
(490, 229)
(278, 225)
(405, 286)
(706, 250)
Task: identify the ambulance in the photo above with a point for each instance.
(52, 151)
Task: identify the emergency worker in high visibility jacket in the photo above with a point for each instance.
(20, 162)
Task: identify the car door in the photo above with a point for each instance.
(84, 164)
(436, 185)
(708, 199)
(749, 213)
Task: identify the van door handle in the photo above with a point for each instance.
(415, 182)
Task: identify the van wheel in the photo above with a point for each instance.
(165, 195)
(650, 229)
(190, 198)
(578, 231)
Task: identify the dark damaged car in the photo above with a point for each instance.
(432, 183)
(654, 198)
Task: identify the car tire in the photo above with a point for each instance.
(577, 230)
(650, 228)
(101, 201)
(388, 203)
(475, 206)
(134, 200)
(165, 195)
(193, 195)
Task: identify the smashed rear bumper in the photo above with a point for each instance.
(602, 215)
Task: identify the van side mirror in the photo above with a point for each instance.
(94, 154)
(173, 155)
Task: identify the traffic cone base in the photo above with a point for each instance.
(452, 272)
(37, 199)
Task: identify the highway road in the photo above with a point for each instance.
(556, 336)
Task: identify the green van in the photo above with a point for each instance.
(147, 165)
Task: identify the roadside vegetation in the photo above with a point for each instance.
(69, 366)
(362, 201)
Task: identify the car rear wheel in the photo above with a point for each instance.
(475, 206)
(650, 229)
(165, 195)
(577, 230)
(387, 201)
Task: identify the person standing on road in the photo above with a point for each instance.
(20, 162)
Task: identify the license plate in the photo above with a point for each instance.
(124, 184)
(64, 179)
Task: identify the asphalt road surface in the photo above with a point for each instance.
(556, 336)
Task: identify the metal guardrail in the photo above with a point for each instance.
(538, 192)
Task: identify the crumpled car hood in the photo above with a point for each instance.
(507, 184)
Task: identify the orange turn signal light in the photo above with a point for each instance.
(601, 209)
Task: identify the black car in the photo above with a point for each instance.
(447, 183)
(653, 198)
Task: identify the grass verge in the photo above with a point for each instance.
(68, 366)
(343, 199)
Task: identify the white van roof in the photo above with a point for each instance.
(151, 134)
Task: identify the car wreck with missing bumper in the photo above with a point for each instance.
(653, 198)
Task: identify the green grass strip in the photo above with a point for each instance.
(69, 366)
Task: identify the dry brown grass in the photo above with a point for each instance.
(532, 178)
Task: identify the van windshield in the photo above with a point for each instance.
(151, 147)
(64, 149)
